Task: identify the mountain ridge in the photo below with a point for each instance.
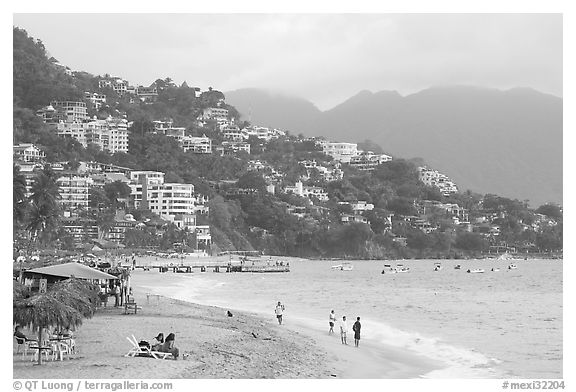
(488, 140)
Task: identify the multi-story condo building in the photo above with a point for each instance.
(341, 152)
(110, 135)
(99, 167)
(368, 161)
(74, 193)
(215, 114)
(234, 134)
(263, 132)
(120, 86)
(434, 178)
(198, 145)
(147, 94)
(173, 202)
(203, 237)
(307, 191)
(71, 110)
(96, 99)
(141, 180)
(75, 130)
(28, 152)
(80, 229)
(230, 148)
(329, 174)
(166, 128)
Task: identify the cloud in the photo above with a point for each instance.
(322, 57)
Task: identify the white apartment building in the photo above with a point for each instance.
(263, 133)
(307, 191)
(215, 114)
(359, 207)
(110, 134)
(198, 145)
(120, 86)
(147, 94)
(432, 177)
(234, 134)
(367, 160)
(70, 111)
(74, 193)
(75, 130)
(173, 202)
(96, 99)
(228, 147)
(166, 128)
(28, 152)
(137, 180)
(328, 174)
(341, 152)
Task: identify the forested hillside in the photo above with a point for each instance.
(407, 218)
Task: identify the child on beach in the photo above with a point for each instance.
(343, 330)
(331, 321)
(279, 310)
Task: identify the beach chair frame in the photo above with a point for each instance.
(136, 350)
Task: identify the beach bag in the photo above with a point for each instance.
(144, 343)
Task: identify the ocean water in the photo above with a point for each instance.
(493, 325)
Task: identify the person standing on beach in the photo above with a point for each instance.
(332, 321)
(279, 310)
(343, 330)
(356, 328)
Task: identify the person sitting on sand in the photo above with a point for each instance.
(157, 342)
(343, 330)
(168, 346)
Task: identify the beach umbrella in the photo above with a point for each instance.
(68, 270)
(79, 294)
(43, 310)
(19, 291)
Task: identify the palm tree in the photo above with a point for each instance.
(19, 194)
(45, 190)
(42, 221)
(43, 217)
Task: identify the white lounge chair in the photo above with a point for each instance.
(137, 350)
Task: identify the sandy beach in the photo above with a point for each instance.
(242, 346)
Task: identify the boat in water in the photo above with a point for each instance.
(512, 266)
(495, 270)
(400, 268)
(437, 266)
(476, 271)
(388, 269)
(343, 267)
(458, 266)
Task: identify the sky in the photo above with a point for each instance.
(325, 58)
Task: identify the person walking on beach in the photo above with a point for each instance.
(279, 310)
(356, 328)
(343, 330)
(332, 321)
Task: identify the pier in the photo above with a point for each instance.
(179, 267)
